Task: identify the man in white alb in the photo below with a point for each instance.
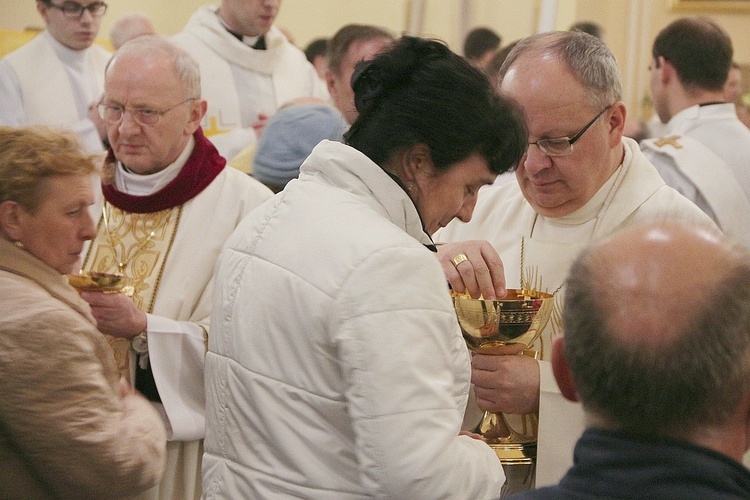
(580, 180)
(705, 150)
(248, 68)
(56, 78)
(168, 208)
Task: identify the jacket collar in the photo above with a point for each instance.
(18, 261)
(345, 167)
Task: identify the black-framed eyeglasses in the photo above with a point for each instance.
(112, 113)
(75, 9)
(563, 146)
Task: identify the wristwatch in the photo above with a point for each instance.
(140, 343)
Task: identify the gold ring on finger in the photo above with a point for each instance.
(458, 259)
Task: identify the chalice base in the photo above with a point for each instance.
(510, 446)
(515, 453)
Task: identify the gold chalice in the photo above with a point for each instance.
(98, 282)
(117, 282)
(505, 327)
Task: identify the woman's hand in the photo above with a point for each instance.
(481, 273)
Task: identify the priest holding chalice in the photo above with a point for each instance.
(579, 181)
(169, 203)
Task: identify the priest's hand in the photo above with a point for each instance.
(116, 314)
(506, 383)
(473, 266)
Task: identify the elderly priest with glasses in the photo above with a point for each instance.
(579, 181)
(56, 78)
(170, 202)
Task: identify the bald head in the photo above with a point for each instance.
(657, 329)
(665, 270)
(128, 27)
(151, 47)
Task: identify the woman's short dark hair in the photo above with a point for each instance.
(420, 92)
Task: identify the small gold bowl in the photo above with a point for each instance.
(97, 282)
(500, 326)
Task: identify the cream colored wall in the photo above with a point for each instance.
(630, 25)
(307, 19)
(631, 43)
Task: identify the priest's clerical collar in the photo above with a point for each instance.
(256, 42)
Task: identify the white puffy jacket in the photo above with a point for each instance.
(336, 368)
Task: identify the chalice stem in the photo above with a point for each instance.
(494, 426)
(496, 430)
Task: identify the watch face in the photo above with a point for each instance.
(139, 343)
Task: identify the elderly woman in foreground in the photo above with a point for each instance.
(69, 428)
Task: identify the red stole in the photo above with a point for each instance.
(201, 168)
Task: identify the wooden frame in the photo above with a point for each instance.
(711, 5)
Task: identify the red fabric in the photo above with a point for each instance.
(204, 164)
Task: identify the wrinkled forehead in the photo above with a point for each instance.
(147, 74)
(545, 85)
(543, 74)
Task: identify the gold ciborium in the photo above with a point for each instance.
(505, 327)
(98, 282)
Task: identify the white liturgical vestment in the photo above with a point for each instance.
(695, 171)
(719, 129)
(635, 193)
(232, 74)
(45, 83)
(171, 272)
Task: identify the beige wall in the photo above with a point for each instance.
(630, 25)
(308, 19)
(631, 41)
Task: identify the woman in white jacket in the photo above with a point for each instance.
(336, 367)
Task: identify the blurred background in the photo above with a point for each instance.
(629, 26)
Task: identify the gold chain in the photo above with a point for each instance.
(527, 286)
(110, 239)
(533, 272)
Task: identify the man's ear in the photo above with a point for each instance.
(617, 118)
(41, 7)
(560, 369)
(197, 111)
(331, 82)
(667, 72)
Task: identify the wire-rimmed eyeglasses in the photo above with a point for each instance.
(563, 146)
(112, 113)
(75, 9)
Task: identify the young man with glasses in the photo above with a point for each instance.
(56, 79)
(169, 204)
(579, 181)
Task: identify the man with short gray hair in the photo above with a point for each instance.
(579, 181)
(169, 205)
